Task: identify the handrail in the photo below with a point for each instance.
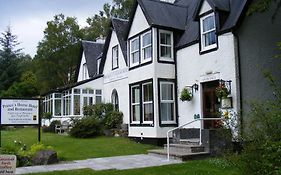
(181, 126)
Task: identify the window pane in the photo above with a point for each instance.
(84, 91)
(57, 95)
(148, 112)
(98, 92)
(146, 39)
(76, 91)
(135, 57)
(90, 100)
(135, 95)
(91, 91)
(135, 45)
(58, 107)
(136, 112)
(147, 52)
(115, 57)
(166, 51)
(167, 111)
(208, 23)
(165, 38)
(76, 104)
(167, 92)
(210, 38)
(85, 101)
(98, 99)
(147, 92)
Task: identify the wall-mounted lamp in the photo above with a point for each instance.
(195, 87)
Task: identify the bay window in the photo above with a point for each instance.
(147, 92)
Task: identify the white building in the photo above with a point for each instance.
(147, 61)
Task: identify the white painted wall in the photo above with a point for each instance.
(116, 79)
(192, 68)
(139, 23)
(80, 75)
(205, 7)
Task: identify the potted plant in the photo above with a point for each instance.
(222, 91)
(185, 95)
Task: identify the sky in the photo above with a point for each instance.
(28, 18)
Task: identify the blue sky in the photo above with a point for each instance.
(28, 17)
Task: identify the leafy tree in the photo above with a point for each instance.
(27, 87)
(9, 59)
(99, 23)
(57, 54)
(263, 5)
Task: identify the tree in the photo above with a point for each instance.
(26, 87)
(9, 59)
(99, 23)
(57, 53)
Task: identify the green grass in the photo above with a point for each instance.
(70, 148)
(197, 167)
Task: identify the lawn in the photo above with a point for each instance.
(69, 148)
(196, 167)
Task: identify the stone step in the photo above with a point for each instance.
(178, 154)
(185, 148)
(194, 141)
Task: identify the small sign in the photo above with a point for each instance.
(8, 164)
(115, 75)
(19, 112)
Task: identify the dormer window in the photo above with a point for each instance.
(166, 46)
(115, 57)
(134, 52)
(84, 72)
(208, 32)
(98, 66)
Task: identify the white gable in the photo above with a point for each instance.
(205, 7)
(139, 23)
(82, 74)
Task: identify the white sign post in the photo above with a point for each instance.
(20, 112)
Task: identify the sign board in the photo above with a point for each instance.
(116, 75)
(19, 112)
(8, 164)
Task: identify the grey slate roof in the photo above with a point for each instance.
(164, 14)
(91, 51)
(182, 15)
(233, 10)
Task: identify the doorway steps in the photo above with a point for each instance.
(187, 149)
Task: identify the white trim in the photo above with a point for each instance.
(170, 59)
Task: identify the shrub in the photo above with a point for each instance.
(98, 111)
(86, 127)
(185, 95)
(113, 119)
(52, 126)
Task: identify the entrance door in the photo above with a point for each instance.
(210, 104)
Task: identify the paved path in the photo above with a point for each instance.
(119, 163)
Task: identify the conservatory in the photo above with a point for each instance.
(70, 102)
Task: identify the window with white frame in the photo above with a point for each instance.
(146, 46)
(147, 102)
(84, 71)
(166, 45)
(134, 52)
(58, 104)
(135, 104)
(66, 103)
(98, 66)
(77, 102)
(98, 96)
(167, 102)
(115, 57)
(208, 32)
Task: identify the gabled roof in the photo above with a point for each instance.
(119, 26)
(231, 10)
(91, 51)
(161, 14)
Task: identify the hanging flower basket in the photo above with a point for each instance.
(185, 95)
(222, 91)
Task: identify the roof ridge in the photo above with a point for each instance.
(93, 42)
(120, 19)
